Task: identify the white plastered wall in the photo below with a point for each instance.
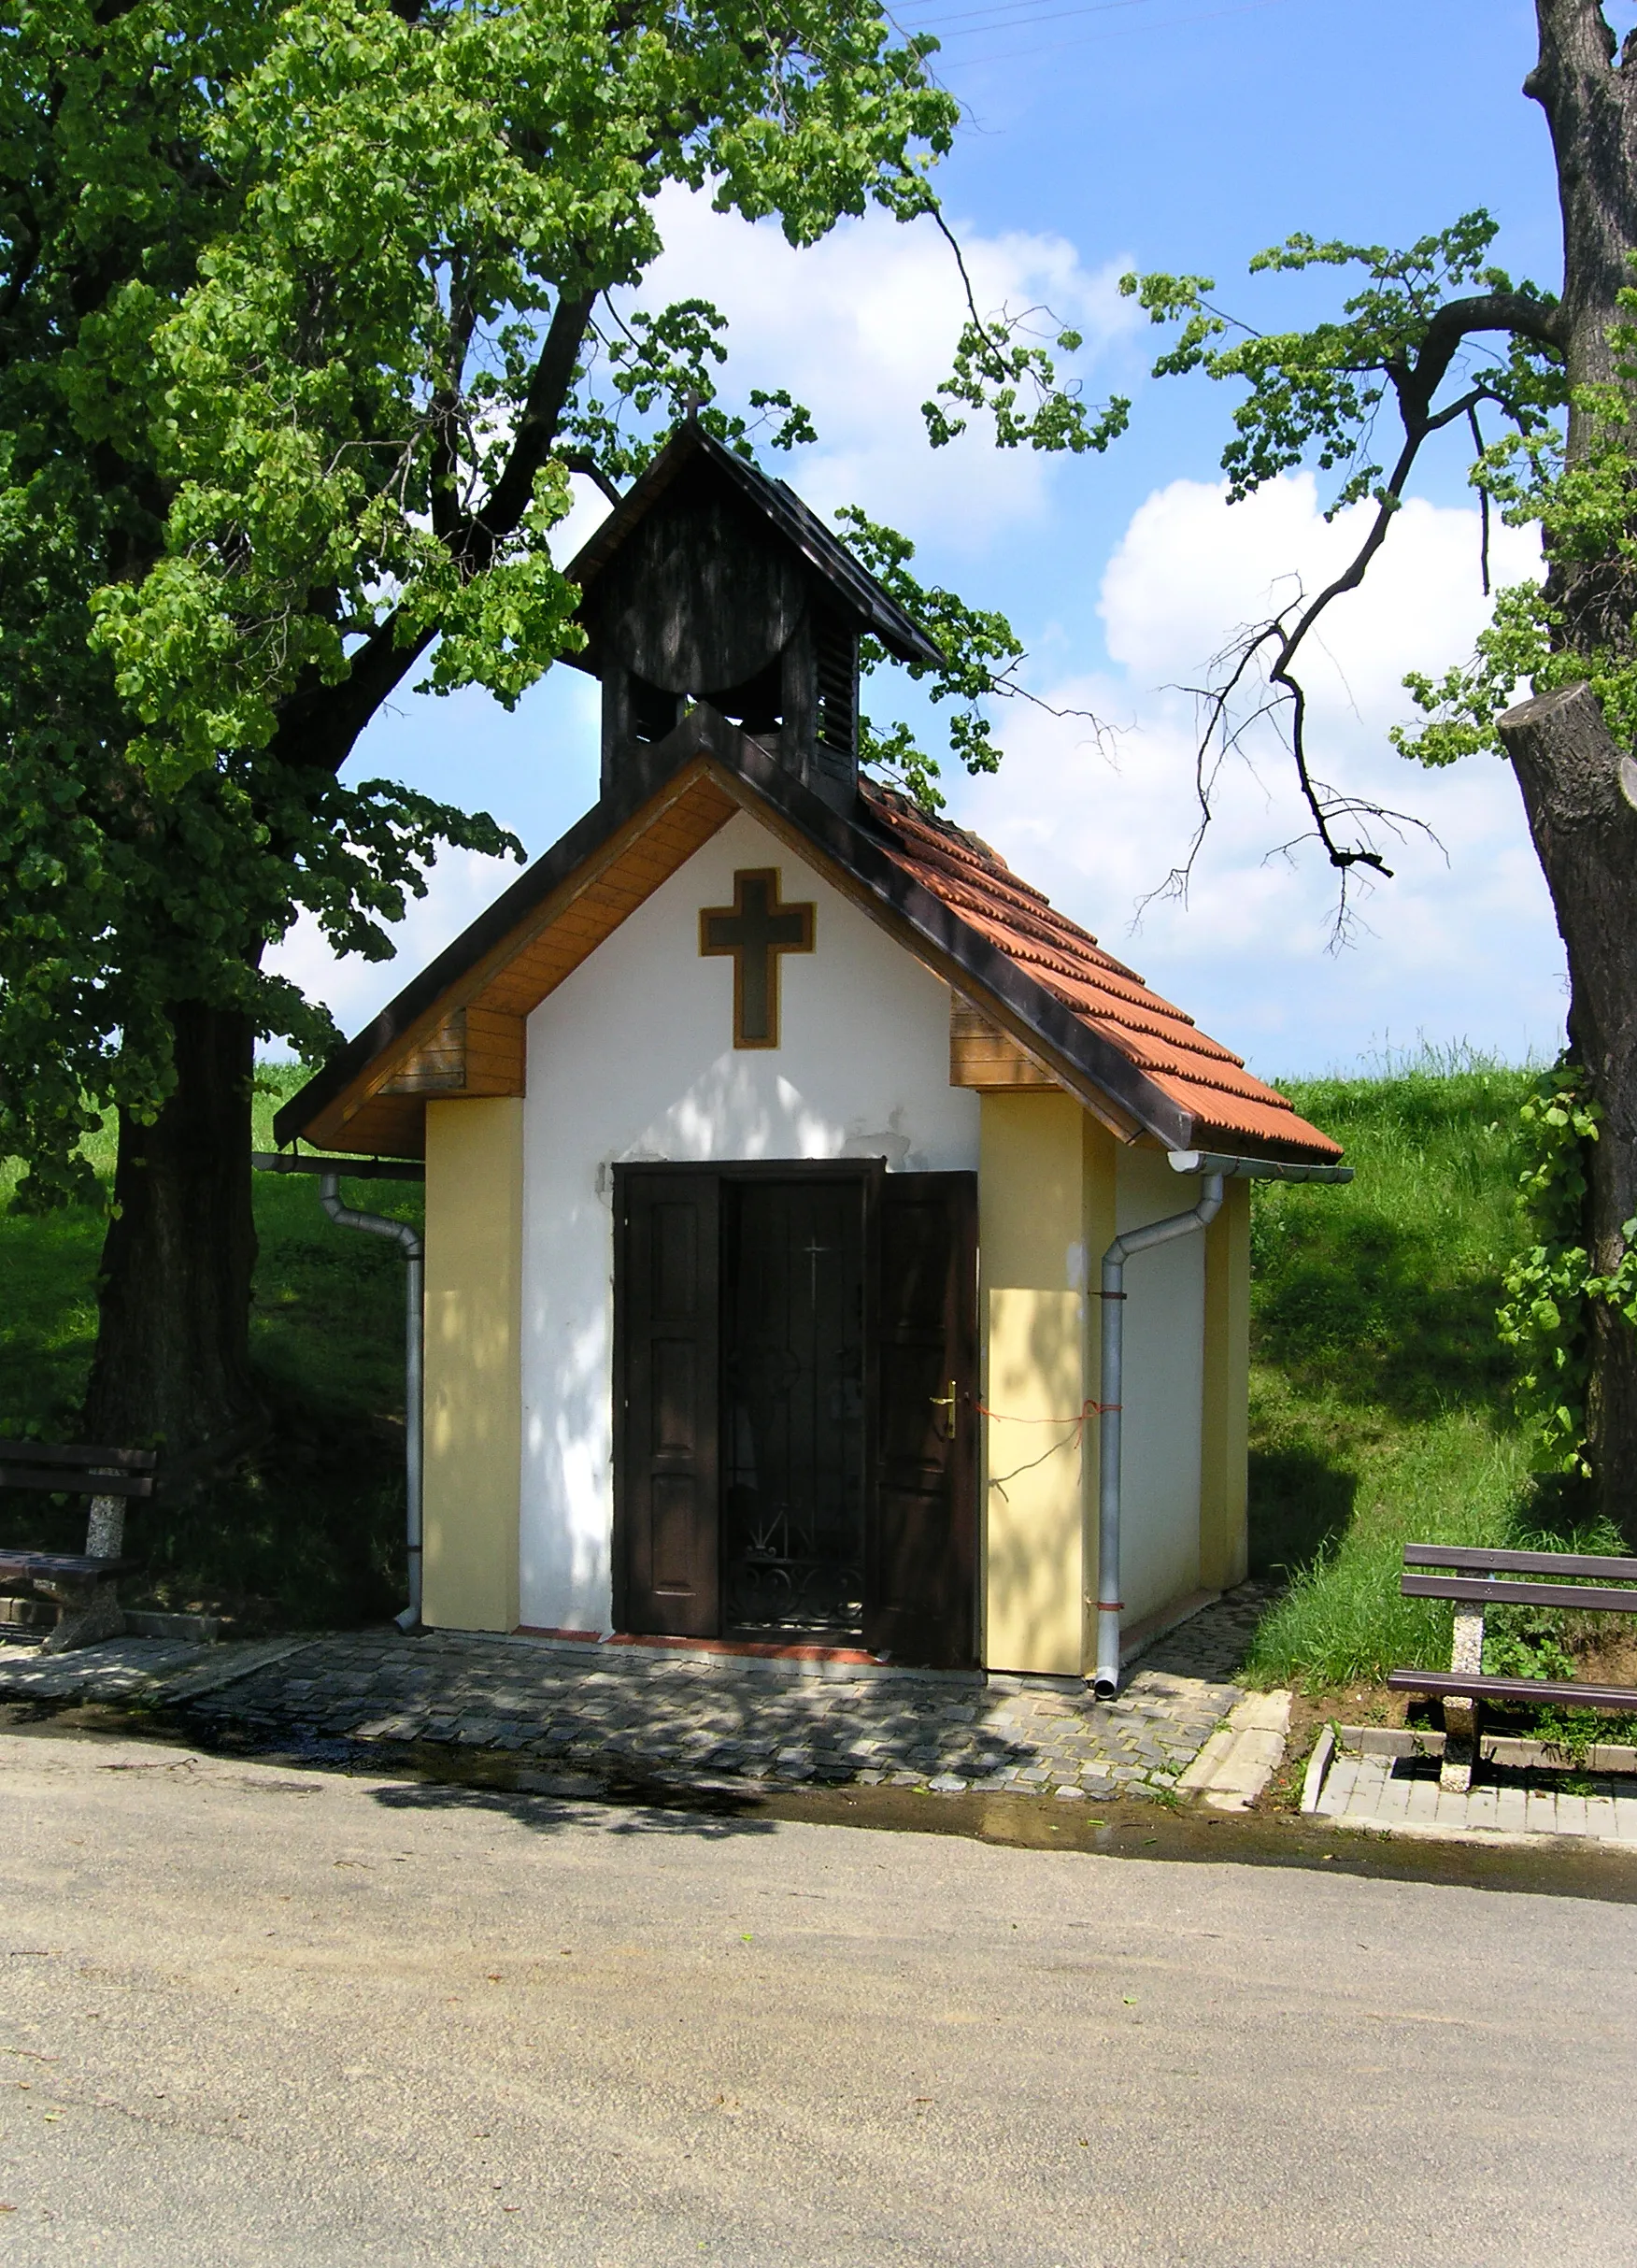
(632, 1058)
(1162, 1390)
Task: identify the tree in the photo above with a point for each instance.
(309, 310)
(1437, 340)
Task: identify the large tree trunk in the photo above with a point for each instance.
(1581, 796)
(172, 1344)
(1568, 765)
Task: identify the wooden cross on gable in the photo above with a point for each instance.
(755, 929)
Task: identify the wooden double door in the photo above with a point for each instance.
(795, 1386)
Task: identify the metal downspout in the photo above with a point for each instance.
(1135, 1240)
(414, 1258)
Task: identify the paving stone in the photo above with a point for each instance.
(679, 1715)
(1511, 1809)
(1396, 1791)
(1422, 1806)
(1483, 1807)
(1339, 1783)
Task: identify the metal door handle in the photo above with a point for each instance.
(947, 1402)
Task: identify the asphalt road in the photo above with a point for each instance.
(254, 2014)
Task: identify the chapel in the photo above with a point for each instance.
(773, 1133)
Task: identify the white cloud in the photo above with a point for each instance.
(459, 887)
(1463, 949)
(860, 328)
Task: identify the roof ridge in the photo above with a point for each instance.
(959, 842)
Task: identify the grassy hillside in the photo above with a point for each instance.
(311, 1533)
(1380, 1397)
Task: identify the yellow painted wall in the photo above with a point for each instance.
(1223, 1448)
(473, 1403)
(1046, 1186)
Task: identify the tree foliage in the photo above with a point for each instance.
(1551, 1282)
(308, 312)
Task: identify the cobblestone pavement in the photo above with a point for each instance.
(632, 1713)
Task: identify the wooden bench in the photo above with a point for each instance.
(1468, 1578)
(84, 1584)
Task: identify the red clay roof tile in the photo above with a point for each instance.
(1233, 1108)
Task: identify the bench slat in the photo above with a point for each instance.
(27, 1566)
(1437, 1683)
(1519, 1563)
(69, 1453)
(61, 1481)
(1585, 1597)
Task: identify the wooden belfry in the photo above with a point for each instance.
(710, 583)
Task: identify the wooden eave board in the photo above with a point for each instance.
(547, 946)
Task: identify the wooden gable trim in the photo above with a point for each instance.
(475, 1050)
(985, 1058)
(470, 1041)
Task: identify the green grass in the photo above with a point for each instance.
(1381, 1406)
(310, 1533)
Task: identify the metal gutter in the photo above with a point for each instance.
(1253, 1169)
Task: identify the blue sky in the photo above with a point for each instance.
(1159, 133)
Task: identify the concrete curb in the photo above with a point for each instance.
(1318, 1765)
(1489, 1838)
(1242, 1755)
(190, 1684)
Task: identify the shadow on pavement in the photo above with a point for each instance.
(432, 1779)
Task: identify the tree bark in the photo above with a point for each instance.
(1578, 790)
(1568, 765)
(173, 1361)
(1590, 103)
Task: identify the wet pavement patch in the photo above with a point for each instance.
(428, 1775)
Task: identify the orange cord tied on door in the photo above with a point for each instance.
(1088, 1408)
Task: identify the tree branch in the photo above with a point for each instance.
(582, 460)
(1457, 319)
(549, 389)
(446, 508)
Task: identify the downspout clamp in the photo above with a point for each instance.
(373, 1224)
(1213, 1170)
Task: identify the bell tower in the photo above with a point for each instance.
(712, 585)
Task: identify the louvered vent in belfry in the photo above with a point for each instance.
(835, 658)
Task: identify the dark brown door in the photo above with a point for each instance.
(920, 1597)
(667, 1491)
(794, 1465)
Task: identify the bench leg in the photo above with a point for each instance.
(105, 1530)
(86, 1614)
(1461, 1714)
